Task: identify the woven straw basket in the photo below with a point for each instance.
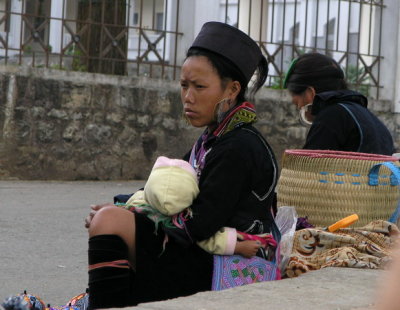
(326, 186)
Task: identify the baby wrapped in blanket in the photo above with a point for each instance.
(170, 190)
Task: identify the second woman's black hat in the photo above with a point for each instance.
(231, 43)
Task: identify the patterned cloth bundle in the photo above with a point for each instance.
(32, 302)
(365, 247)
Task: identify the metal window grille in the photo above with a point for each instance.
(347, 30)
(125, 37)
(140, 37)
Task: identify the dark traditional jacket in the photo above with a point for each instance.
(236, 185)
(342, 122)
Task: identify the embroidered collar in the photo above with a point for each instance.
(238, 116)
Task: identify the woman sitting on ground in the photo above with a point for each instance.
(237, 174)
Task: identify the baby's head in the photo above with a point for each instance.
(171, 186)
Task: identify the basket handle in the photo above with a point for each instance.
(373, 175)
(394, 180)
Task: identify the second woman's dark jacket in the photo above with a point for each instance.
(342, 122)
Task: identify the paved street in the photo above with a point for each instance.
(43, 241)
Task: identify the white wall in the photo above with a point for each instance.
(390, 67)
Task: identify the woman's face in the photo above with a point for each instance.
(201, 90)
(304, 98)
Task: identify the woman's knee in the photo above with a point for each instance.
(113, 221)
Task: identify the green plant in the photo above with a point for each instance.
(357, 78)
(77, 64)
(277, 81)
(57, 67)
(27, 49)
(70, 50)
(76, 54)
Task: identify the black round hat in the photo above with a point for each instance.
(231, 43)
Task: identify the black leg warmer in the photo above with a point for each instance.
(110, 275)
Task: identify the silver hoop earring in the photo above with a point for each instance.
(303, 115)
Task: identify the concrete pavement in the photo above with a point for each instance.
(43, 241)
(43, 249)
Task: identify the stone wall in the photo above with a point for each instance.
(59, 125)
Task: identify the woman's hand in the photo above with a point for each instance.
(93, 212)
(247, 248)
